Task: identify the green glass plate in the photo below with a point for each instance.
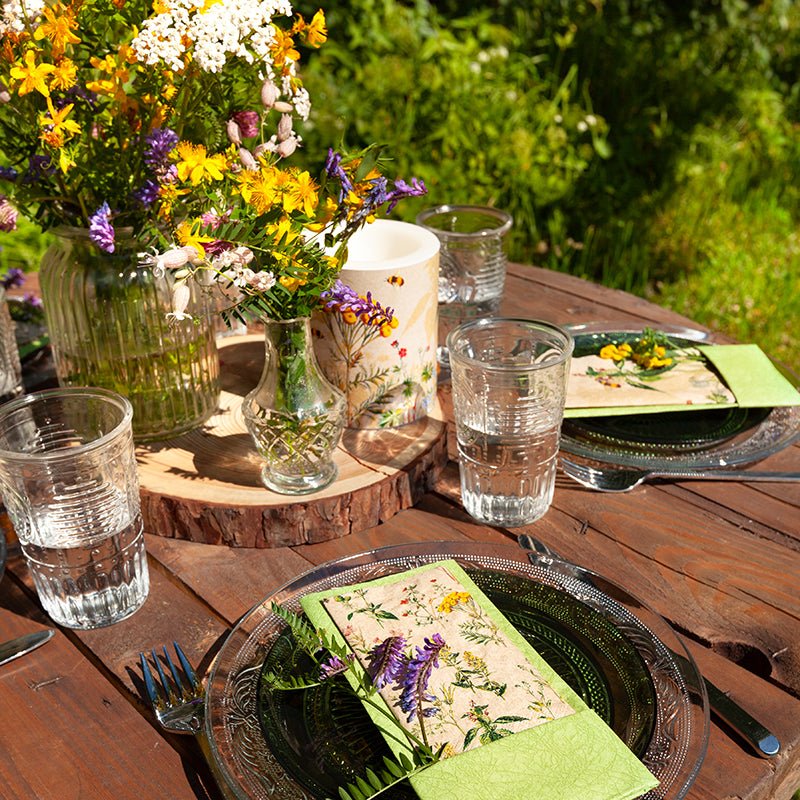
(324, 738)
(708, 438)
(615, 651)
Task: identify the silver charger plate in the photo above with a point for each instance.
(247, 767)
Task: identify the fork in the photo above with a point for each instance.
(615, 479)
(178, 704)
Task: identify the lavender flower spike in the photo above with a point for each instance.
(413, 683)
(333, 666)
(387, 661)
(101, 231)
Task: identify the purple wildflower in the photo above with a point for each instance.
(333, 666)
(101, 231)
(32, 300)
(248, 122)
(14, 277)
(8, 215)
(8, 173)
(413, 681)
(387, 661)
(147, 193)
(343, 299)
(334, 168)
(160, 142)
(402, 189)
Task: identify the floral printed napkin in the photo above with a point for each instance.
(510, 727)
(611, 382)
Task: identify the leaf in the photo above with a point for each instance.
(510, 718)
(373, 779)
(469, 737)
(392, 766)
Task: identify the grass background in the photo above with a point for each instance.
(651, 145)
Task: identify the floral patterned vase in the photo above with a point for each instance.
(295, 416)
(108, 325)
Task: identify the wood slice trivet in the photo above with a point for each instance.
(205, 486)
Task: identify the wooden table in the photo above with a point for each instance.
(720, 561)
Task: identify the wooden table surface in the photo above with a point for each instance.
(720, 561)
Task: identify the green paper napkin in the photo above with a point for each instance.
(754, 380)
(572, 755)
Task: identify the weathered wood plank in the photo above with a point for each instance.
(68, 732)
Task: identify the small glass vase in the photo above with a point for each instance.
(108, 325)
(295, 415)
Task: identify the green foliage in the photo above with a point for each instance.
(466, 108)
(685, 187)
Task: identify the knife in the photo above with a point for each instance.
(24, 644)
(763, 742)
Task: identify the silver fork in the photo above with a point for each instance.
(620, 479)
(178, 703)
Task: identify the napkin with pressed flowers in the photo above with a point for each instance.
(455, 673)
(651, 374)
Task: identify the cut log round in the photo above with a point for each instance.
(205, 486)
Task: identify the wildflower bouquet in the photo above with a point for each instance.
(174, 121)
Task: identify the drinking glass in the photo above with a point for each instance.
(68, 478)
(472, 263)
(509, 379)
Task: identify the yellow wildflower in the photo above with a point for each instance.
(314, 32)
(188, 235)
(283, 230)
(160, 7)
(282, 47)
(301, 194)
(260, 189)
(32, 76)
(196, 165)
(65, 160)
(615, 352)
(57, 28)
(292, 282)
(65, 75)
(60, 129)
(452, 600)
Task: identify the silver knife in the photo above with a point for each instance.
(763, 742)
(24, 644)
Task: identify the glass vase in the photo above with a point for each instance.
(295, 416)
(108, 325)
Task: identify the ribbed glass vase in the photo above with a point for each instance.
(108, 325)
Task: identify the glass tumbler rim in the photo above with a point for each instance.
(505, 221)
(488, 322)
(13, 406)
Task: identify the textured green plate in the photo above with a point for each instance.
(324, 738)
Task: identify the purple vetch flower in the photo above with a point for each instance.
(101, 231)
(8, 173)
(147, 193)
(413, 682)
(8, 215)
(13, 278)
(32, 300)
(387, 661)
(343, 299)
(160, 143)
(334, 168)
(334, 666)
(248, 122)
(402, 189)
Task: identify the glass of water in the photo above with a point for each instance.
(69, 481)
(509, 380)
(472, 263)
